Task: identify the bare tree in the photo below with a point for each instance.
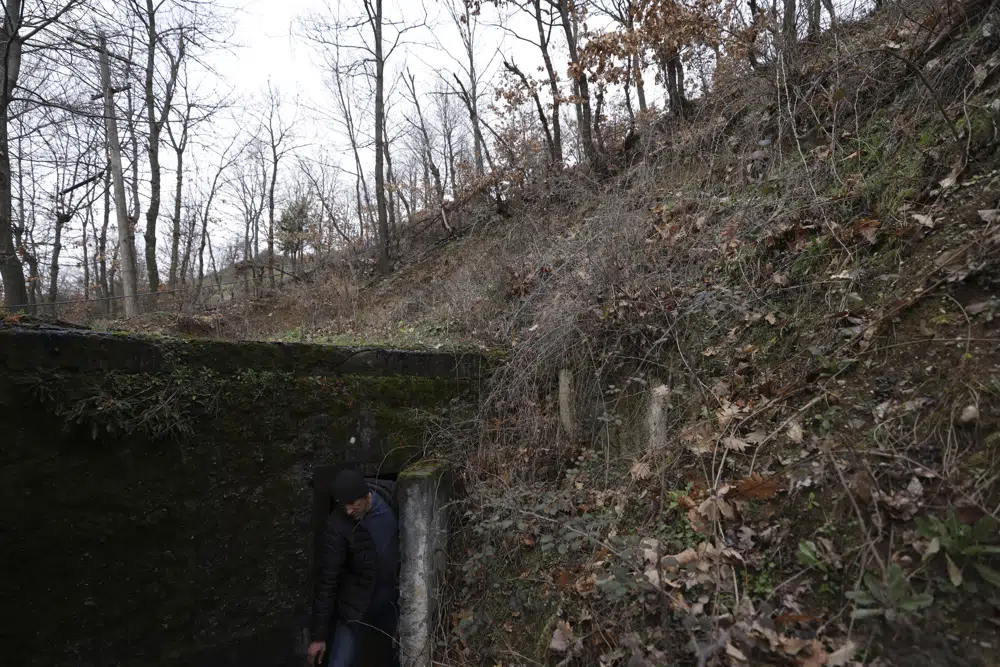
(158, 107)
(249, 185)
(277, 133)
(545, 19)
(374, 38)
(204, 213)
(426, 149)
(126, 233)
(467, 24)
(568, 14)
(24, 32)
(76, 180)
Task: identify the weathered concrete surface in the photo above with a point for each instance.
(30, 347)
(567, 403)
(424, 493)
(121, 548)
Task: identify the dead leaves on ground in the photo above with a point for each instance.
(757, 487)
(641, 470)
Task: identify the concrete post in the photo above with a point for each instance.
(566, 402)
(424, 492)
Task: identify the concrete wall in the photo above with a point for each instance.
(190, 547)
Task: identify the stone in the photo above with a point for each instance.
(969, 416)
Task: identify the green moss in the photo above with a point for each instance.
(423, 469)
(545, 640)
(151, 497)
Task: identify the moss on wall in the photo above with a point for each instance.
(146, 515)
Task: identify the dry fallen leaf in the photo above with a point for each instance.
(757, 487)
(867, 228)
(795, 432)
(561, 638)
(842, 655)
(954, 573)
(952, 178)
(715, 507)
(818, 656)
(699, 438)
(771, 319)
(990, 215)
(735, 653)
(734, 443)
(726, 414)
(792, 645)
(641, 471)
(979, 307)
(925, 220)
(586, 585)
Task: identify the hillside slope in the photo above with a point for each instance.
(778, 320)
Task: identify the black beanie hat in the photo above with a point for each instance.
(349, 485)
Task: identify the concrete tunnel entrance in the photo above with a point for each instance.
(160, 495)
(421, 494)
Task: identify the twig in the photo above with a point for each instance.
(968, 323)
(778, 430)
(705, 654)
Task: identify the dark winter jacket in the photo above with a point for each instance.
(350, 573)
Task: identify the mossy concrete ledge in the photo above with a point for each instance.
(156, 508)
(34, 346)
(424, 493)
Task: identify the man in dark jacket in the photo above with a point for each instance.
(357, 574)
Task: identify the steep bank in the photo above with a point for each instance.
(777, 316)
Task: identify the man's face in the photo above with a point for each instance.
(359, 507)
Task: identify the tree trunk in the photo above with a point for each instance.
(555, 150)
(788, 22)
(201, 257)
(86, 262)
(640, 88)
(543, 44)
(384, 262)
(450, 146)
(134, 214)
(14, 288)
(175, 232)
(60, 223)
(155, 130)
(391, 181)
(270, 212)
(155, 127)
(828, 4)
(586, 120)
(191, 225)
(598, 134)
(126, 239)
(427, 180)
(102, 242)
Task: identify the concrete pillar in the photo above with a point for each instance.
(657, 407)
(424, 492)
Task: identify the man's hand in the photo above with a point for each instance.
(316, 651)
